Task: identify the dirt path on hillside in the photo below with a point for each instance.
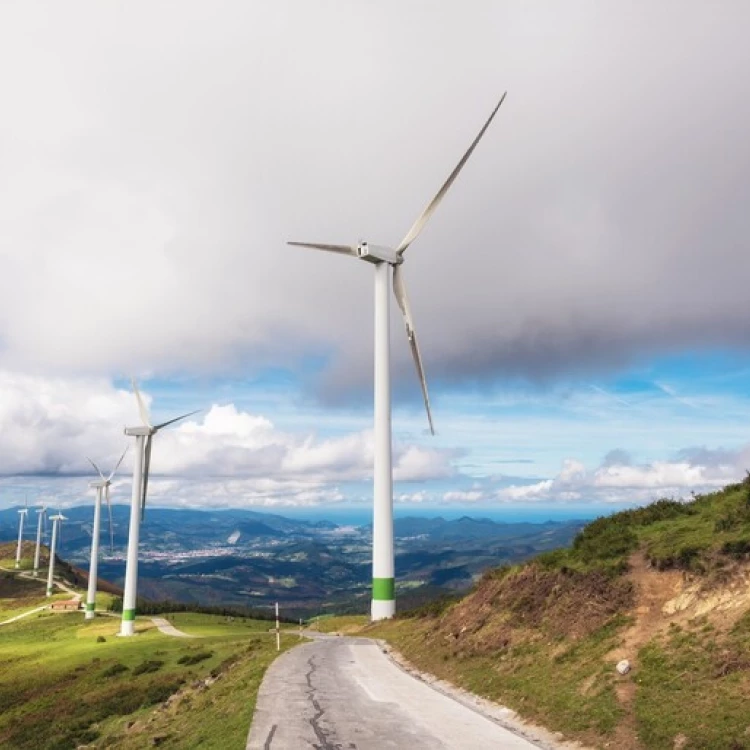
(167, 628)
(652, 591)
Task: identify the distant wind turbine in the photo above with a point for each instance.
(143, 436)
(56, 521)
(40, 521)
(384, 258)
(21, 518)
(102, 488)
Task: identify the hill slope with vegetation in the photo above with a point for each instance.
(666, 587)
(69, 683)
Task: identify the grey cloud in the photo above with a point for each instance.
(156, 159)
(714, 458)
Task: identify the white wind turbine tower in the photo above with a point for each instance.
(143, 436)
(102, 489)
(40, 521)
(383, 258)
(56, 521)
(21, 518)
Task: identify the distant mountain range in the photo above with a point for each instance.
(250, 558)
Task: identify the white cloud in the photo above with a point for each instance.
(616, 482)
(463, 496)
(224, 456)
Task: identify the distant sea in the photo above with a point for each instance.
(359, 516)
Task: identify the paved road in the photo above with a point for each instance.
(167, 628)
(345, 694)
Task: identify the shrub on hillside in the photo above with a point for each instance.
(686, 557)
(195, 658)
(433, 608)
(605, 539)
(736, 548)
(114, 670)
(151, 665)
(553, 560)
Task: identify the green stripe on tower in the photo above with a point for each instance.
(128, 614)
(89, 606)
(384, 589)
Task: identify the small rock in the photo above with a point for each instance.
(623, 667)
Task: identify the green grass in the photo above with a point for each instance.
(701, 535)
(19, 595)
(216, 625)
(695, 683)
(338, 623)
(61, 687)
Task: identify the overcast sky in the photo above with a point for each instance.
(580, 295)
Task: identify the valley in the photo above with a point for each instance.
(242, 558)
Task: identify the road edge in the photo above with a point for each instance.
(505, 717)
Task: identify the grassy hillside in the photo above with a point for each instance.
(666, 586)
(66, 683)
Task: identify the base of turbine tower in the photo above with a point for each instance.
(382, 609)
(89, 612)
(127, 626)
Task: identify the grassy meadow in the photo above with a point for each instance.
(66, 683)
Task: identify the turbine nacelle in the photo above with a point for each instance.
(378, 254)
(141, 431)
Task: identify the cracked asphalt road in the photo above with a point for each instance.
(345, 694)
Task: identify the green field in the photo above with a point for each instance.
(65, 682)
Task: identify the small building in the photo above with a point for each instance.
(70, 605)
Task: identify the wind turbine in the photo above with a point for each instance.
(56, 521)
(21, 518)
(143, 436)
(102, 488)
(384, 258)
(40, 520)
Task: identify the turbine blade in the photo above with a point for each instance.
(146, 468)
(111, 531)
(117, 466)
(141, 405)
(176, 419)
(399, 290)
(341, 249)
(98, 470)
(419, 224)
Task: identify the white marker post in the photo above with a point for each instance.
(278, 633)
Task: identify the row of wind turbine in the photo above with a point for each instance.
(41, 518)
(143, 435)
